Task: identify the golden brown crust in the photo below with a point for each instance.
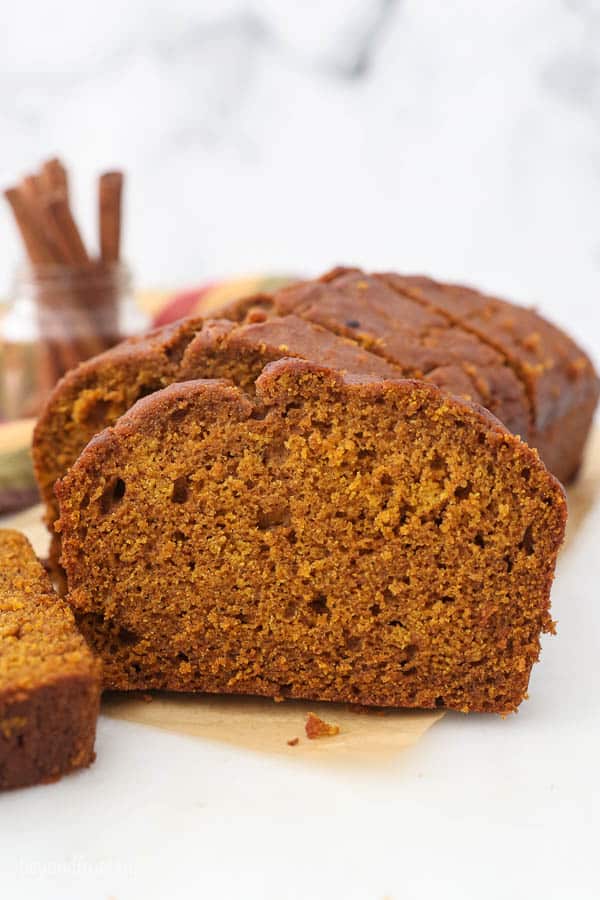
(49, 679)
(363, 307)
(559, 379)
(325, 537)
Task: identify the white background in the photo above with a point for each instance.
(457, 138)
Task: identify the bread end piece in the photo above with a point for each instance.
(49, 679)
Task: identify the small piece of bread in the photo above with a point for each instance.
(49, 679)
(317, 728)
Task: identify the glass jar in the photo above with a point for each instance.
(57, 317)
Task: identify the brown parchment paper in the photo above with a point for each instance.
(263, 726)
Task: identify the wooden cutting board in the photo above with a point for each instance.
(262, 726)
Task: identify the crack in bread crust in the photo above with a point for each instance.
(559, 379)
(404, 332)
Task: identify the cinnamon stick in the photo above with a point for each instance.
(74, 336)
(68, 238)
(54, 177)
(110, 191)
(32, 191)
(36, 245)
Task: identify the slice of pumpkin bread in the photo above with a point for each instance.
(346, 539)
(49, 679)
(100, 390)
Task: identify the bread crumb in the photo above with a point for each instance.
(147, 698)
(316, 727)
(293, 742)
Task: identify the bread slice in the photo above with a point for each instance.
(325, 537)
(49, 679)
(99, 391)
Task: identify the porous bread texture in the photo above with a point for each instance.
(96, 393)
(328, 538)
(49, 679)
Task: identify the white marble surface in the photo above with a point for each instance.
(462, 139)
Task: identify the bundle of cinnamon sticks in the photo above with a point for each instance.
(41, 207)
(76, 293)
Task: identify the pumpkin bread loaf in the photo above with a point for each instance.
(103, 388)
(557, 380)
(507, 358)
(49, 680)
(350, 538)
